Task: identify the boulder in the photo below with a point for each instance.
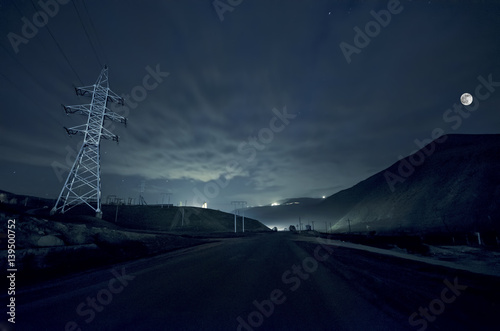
(49, 240)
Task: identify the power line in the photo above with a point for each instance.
(32, 77)
(60, 49)
(24, 15)
(16, 58)
(21, 91)
(86, 33)
(99, 44)
(21, 65)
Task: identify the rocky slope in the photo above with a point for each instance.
(450, 185)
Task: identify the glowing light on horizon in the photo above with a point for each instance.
(275, 204)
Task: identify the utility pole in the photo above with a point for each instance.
(142, 202)
(349, 222)
(116, 214)
(236, 205)
(110, 199)
(83, 184)
(243, 205)
(163, 198)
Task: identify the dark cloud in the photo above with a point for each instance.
(193, 131)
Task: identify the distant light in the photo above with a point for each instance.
(324, 197)
(205, 205)
(466, 99)
(275, 204)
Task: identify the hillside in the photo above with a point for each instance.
(151, 217)
(172, 219)
(453, 187)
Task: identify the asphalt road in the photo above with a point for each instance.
(265, 282)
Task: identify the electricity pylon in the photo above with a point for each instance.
(83, 185)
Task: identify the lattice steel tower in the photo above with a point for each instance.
(83, 185)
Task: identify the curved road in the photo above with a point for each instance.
(276, 281)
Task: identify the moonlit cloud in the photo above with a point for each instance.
(225, 78)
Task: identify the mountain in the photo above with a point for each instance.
(450, 185)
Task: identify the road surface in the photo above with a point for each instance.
(276, 281)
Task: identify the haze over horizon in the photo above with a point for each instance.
(260, 106)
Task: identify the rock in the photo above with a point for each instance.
(49, 240)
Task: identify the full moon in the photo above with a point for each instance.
(466, 99)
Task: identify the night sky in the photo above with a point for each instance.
(258, 101)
